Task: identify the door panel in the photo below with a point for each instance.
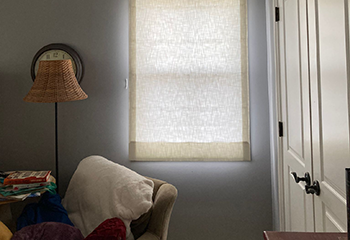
(329, 110)
(293, 79)
(331, 221)
(295, 113)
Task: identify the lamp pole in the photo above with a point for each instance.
(56, 148)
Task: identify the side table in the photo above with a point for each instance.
(10, 210)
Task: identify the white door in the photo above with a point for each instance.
(329, 76)
(295, 104)
(314, 74)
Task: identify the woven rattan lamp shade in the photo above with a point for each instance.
(55, 82)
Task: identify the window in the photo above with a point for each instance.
(189, 96)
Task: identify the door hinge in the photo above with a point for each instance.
(277, 14)
(280, 129)
(126, 83)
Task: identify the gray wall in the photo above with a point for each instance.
(216, 200)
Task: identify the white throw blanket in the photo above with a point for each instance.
(101, 189)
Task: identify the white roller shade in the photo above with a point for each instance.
(189, 96)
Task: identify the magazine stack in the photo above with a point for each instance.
(19, 185)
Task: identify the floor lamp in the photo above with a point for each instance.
(55, 82)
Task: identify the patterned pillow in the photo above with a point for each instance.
(48, 230)
(110, 229)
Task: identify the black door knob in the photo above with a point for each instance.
(313, 189)
(306, 178)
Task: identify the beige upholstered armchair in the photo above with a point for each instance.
(154, 224)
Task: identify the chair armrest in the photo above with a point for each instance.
(160, 218)
(148, 236)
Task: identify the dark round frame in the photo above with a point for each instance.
(67, 49)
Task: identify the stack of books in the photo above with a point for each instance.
(19, 185)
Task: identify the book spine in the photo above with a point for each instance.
(24, 181)
(17, 178)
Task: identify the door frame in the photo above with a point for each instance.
(274, 92)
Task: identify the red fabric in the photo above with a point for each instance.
(110, 229)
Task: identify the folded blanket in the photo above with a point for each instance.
(48, 209)
(101, 189)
